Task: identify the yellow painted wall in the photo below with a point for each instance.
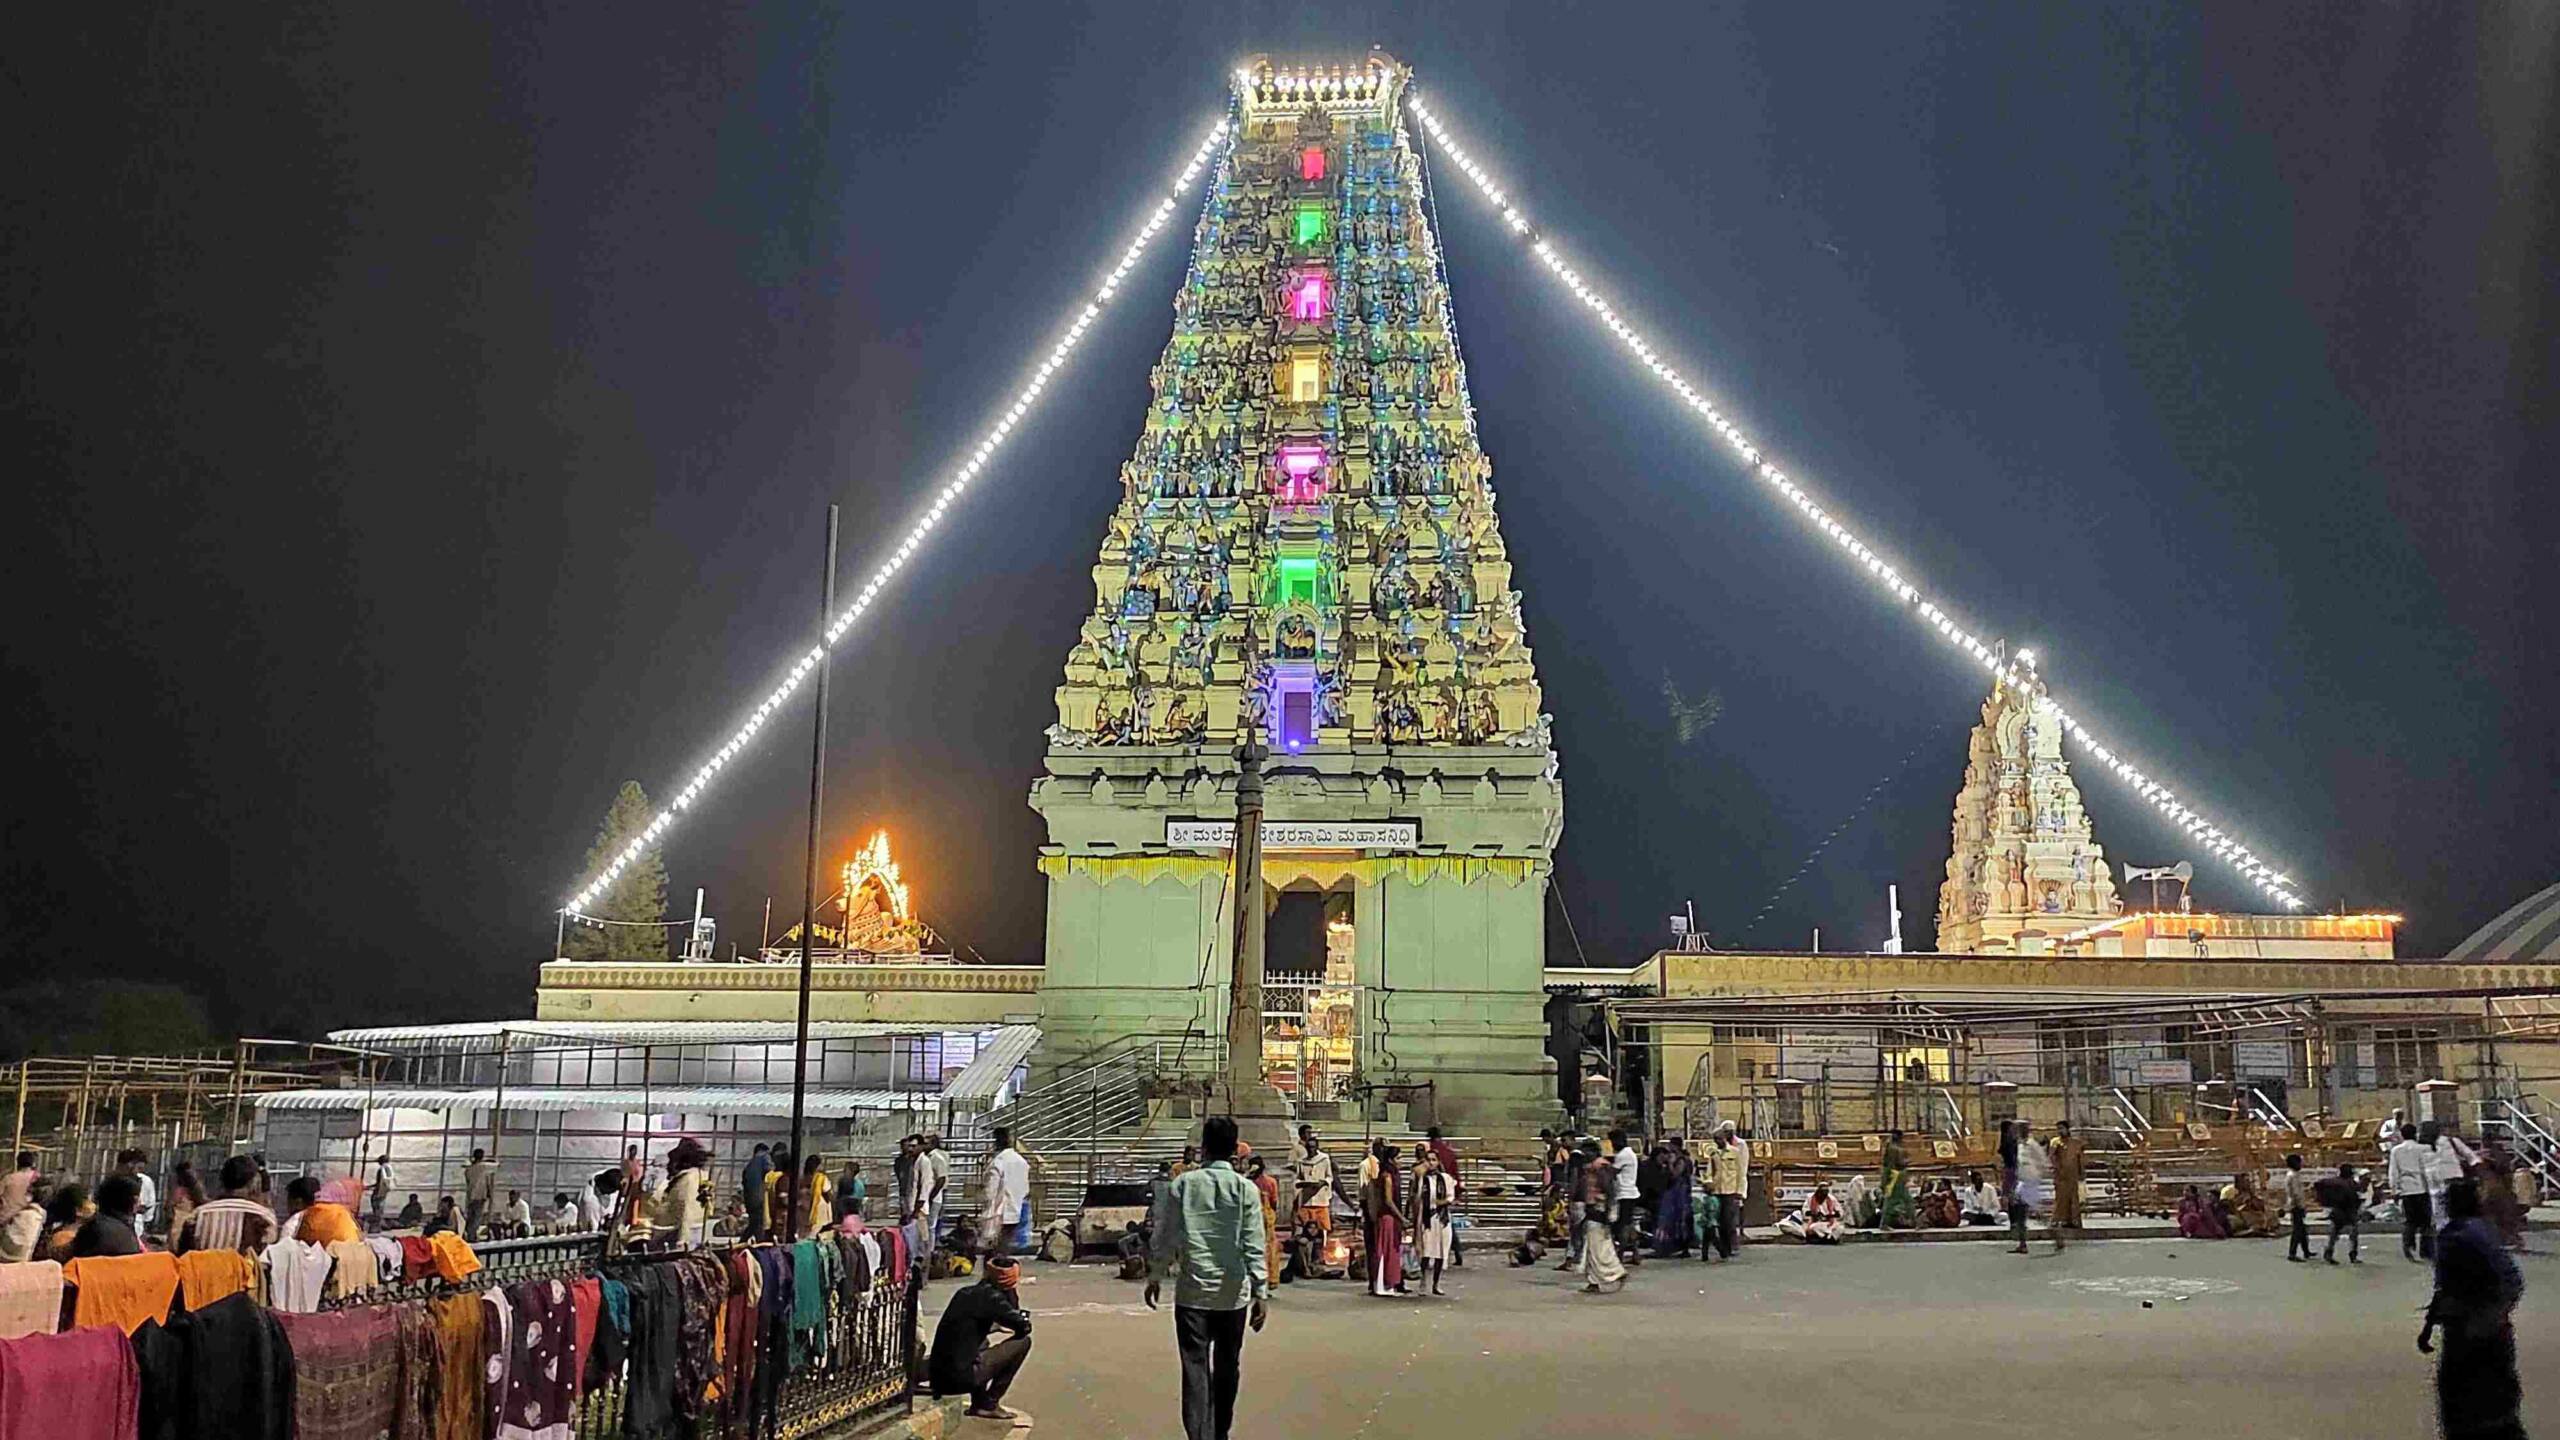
(1692, 973)
(921, 994)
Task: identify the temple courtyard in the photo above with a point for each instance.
(1913, 1339)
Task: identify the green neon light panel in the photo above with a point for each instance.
(1297, 580)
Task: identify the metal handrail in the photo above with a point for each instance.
(1124, 1067)
(2127, 1111)
(1957, 1129)
(2270, 1110)
(2542, 1153)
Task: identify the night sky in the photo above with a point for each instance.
(420, 423)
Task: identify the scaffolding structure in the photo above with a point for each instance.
(2133, 1072)
(78, 1112)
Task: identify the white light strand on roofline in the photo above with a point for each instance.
(967, 471)
(2223, 844)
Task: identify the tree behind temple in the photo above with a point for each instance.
(639, 894)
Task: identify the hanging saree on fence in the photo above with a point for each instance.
(346, 1372)
(83, 1385)
(808, 1303)
(701, 1288)
(460, 1399)
(612, 1344)
(657, 1329)
(586, 1309)
(773, 1310)
(744, 1331)
(537, 1395)
(229, 1373)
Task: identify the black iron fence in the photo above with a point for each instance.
(863, 1360)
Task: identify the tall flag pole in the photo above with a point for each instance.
(795, 1195)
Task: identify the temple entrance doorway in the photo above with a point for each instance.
(1310, 1009)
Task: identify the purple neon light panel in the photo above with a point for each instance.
(1293, 708)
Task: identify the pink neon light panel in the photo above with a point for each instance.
(1302, 473)
(1310, 298)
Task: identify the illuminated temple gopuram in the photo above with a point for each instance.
(1304, 548)
(2024, 867)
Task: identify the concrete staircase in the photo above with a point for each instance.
(1497, 1192)
(2532, 1134)
(1121, 1115)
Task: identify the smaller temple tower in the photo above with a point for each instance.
(2025, 868)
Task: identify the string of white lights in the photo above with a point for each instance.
(2223, 844)
(887, 570)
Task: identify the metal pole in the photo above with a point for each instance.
(792, 1190)
(239, 1076)
(1244, 982)
(560, 937)
(498, 1125)
(18, 1141)
(80, 1135)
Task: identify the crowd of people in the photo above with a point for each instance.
(1225, 1229)
(1610, 1205)
(1670, 1200)
(670, 1201)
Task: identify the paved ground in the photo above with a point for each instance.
(1801, 1343)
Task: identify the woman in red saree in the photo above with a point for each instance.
(1386, 1228)
(2198, 1219)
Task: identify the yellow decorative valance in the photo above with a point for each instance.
(1286, 870)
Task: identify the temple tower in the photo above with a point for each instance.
(1304, 546)
(2025, 869)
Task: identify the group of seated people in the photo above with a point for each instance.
(1947, 1205)
(2239, 1209)
(1819, 1220)
(1944, 1205)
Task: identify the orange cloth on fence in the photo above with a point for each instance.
(717, 1390)
(453, 1257)
(122, 1290)
(324, 1224)
(460, 1397)
(205, 1276)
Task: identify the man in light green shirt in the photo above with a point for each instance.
(1208, 1236)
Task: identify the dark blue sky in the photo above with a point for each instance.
(424, 420)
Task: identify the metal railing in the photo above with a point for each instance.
(2268, 1112)
(1957, 1129)
(2528, 1139)
(1102, 1096)
(866, 1361)
(1083, 1118)
(2129, 1116)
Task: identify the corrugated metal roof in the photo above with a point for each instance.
(2528, 931)
(657, 1100)
(535, 1034)
(999, 1055)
